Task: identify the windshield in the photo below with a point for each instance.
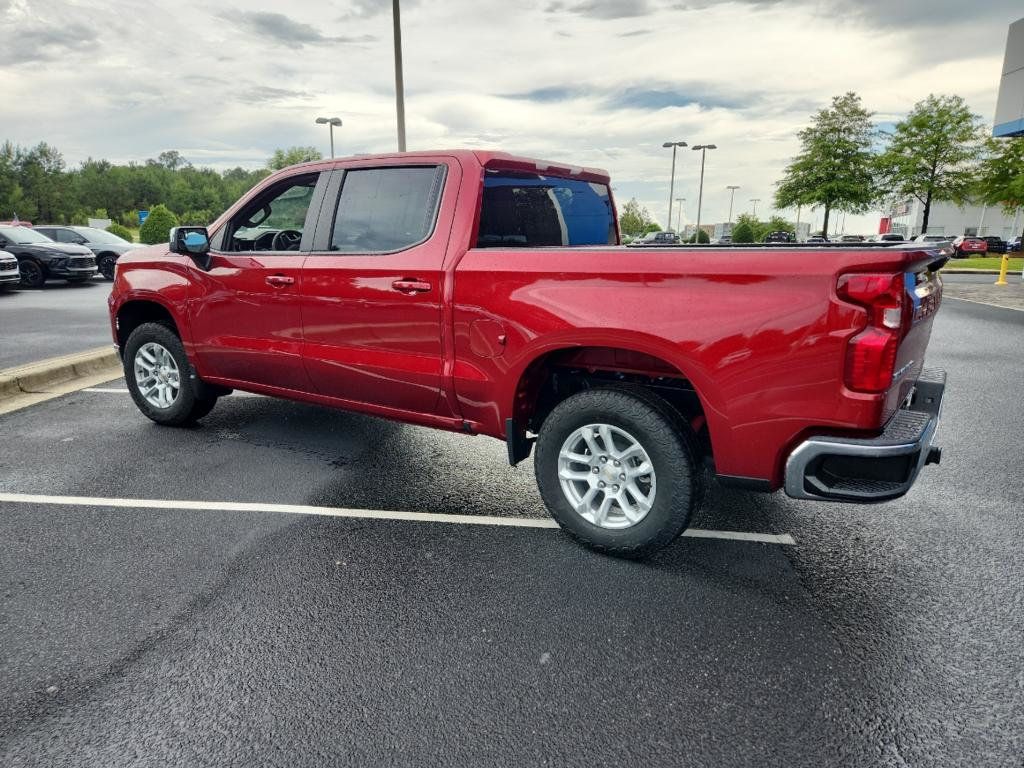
(94, 235)
(24, 235)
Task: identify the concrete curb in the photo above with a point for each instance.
(39, 377)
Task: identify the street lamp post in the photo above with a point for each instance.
(700, 189)
(331, 122)
(732, 193)
(672, 184)
(755, 201)
(679, 211)
(399, 86)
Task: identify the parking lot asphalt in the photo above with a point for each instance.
(129, 635)
(58, 319)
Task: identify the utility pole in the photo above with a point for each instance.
(755, 201)
(700, 189)
(399, 85)
(732, 193)
(679, 211)
(330, 122)
(672, 182)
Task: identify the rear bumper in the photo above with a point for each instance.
(872, 469)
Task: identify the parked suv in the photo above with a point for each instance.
(996, 244)
(40, 258)
(657, 238)
(965, 244)
(9, 273)
(106, 245)
(780, 236)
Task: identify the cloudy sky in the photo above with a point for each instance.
(592, 82)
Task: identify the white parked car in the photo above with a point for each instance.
(10, 275)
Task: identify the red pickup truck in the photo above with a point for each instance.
(488, 294)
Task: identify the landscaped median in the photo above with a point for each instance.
(35, 382)
(984, 264)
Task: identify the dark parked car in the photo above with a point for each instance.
(40, 258)
(106, 245)
(779, 236)
(10, 276)
(996, 244)
(851, 239)
(657, 238)
(1014, 245)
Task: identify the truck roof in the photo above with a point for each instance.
(485, 158)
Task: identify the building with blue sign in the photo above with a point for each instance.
(1010, 106)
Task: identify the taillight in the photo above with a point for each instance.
(871, 354)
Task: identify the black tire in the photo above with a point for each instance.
(106, 263)
(668, 442)
(187, 406)
(33, 275)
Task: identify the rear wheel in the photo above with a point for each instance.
(160, 378)
(32, 273)
(106, 263)
(618, 471)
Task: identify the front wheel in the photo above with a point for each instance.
(32, 273)
(617, 469)
(160, 378)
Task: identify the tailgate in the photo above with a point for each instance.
(923, 295)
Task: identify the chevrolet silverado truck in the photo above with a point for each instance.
(488, 294)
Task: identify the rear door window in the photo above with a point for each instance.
(382, 210)
(528, 210)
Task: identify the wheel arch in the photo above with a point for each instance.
(136, 311)
(558, 371)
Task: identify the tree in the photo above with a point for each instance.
(700, 235)
(1001, 173)
(282, 158)
(634, 220)
(172, 160)
(157, 226)
(742, 232)
(932, 153)
(834, 167)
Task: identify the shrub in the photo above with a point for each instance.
(743, 233)
(198, 218)
(704, 238)
(158, 225)
(122, 232)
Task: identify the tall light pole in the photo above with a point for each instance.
(732, 193)
(672, 184)
(679, 210)
(700, 189)
(330, 121)
(755, 201)
(399, 87)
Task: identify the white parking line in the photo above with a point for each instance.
(368, 514)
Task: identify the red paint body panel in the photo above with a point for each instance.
(759, 333)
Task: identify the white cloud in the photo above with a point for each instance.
(581, 81)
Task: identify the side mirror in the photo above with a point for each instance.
(193, 242)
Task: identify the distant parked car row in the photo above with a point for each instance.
(51, 252)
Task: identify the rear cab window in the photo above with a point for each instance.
(520, 209)
(384, 210)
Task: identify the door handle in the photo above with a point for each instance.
(411, 286)
(280, 281)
